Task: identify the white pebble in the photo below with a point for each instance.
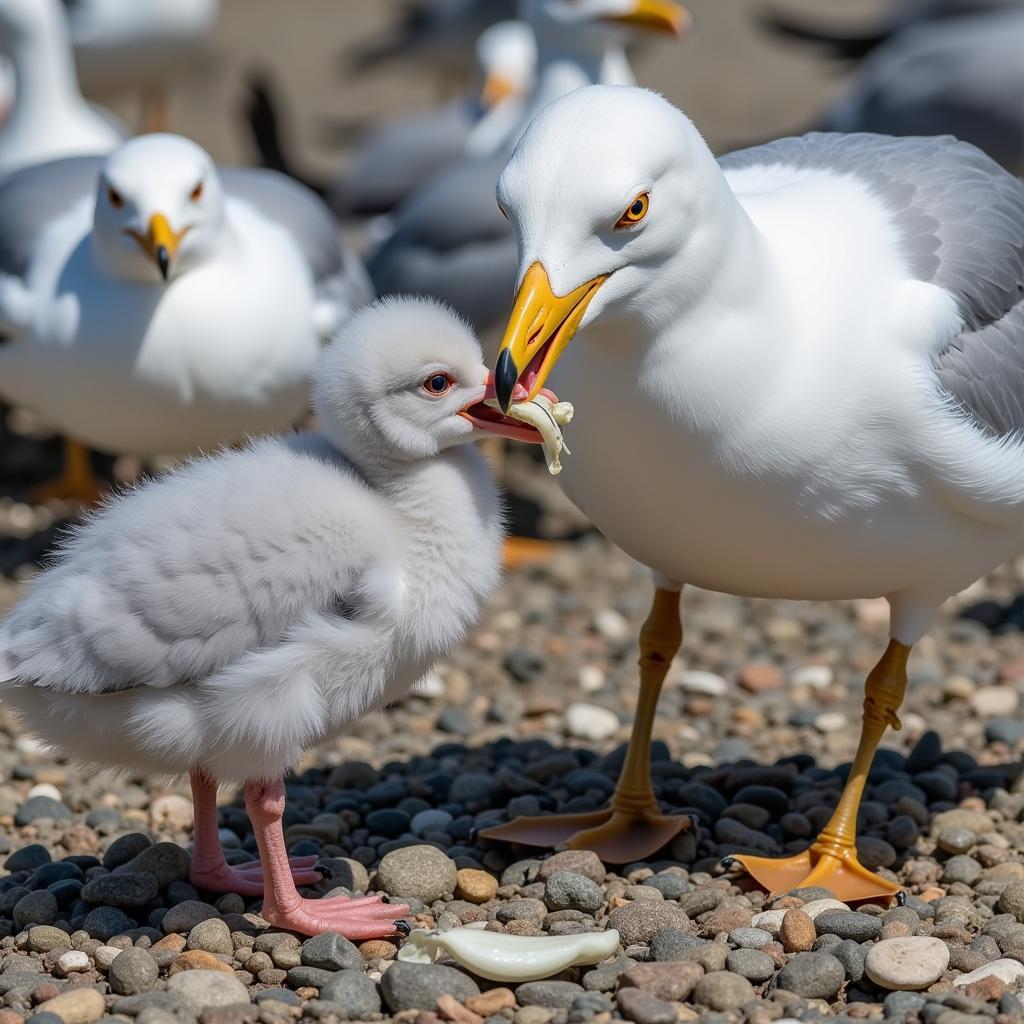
(1006, 970)
(171, 811)
(817, 677)
(696, 680)
(590, 722)
(816, 907)
(907, 965)
(769, 920)
(994, 701)
(590, 678)
(106, 955)
(73, 960)
(611, 624)
(45, 789)
(831, 721)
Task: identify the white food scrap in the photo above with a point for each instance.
(547, 418)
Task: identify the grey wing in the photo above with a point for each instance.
(452, 242)
(183, 577)
(337, 271)
(33, 197)
(963, 77)
(961, 222)
(392, 162)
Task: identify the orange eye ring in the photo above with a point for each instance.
(636, 213)
(115, 198)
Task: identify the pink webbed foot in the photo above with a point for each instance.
(358, 919)
(247, 879)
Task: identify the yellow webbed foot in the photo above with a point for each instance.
(76, 481)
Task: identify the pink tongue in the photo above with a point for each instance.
(520, 393)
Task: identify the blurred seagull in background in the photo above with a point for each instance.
(958, 76)
(221, 620)
(800, 375)
(48, 117)
(400, 155)
(449, 238)
(153, 303)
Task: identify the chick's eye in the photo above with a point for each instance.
(636, 212)
(438, 384)
(115, 198)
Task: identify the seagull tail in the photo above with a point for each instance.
(261, 113)
(838, 45)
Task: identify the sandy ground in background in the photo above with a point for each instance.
(734, 82)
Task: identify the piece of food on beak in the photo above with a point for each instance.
(547, 418)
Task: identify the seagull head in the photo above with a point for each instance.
(400, 382)
(507, 55)
(616, 204)
(551, 17)
(159, 208)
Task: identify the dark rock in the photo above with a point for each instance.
(408, 986)
(129, 891)
(555, 995)
(354, 991)
(38, 807)
(331, 952)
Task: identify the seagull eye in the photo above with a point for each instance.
(115, 198)
(197, 193)
(636, 212)
(438, 384)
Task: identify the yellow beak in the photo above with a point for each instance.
(539, 329)
(497, 88)
(160, 242)
(656, 15)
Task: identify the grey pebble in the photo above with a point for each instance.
(183, 917)
(848, 925)
(568, 890)
(752, 964)
(407, 986)
(38, 907)
(851, 955)
(812, 975)
(200, 990)
(555, 995)
(721, 990)
(211, 936)
(750, 938)
(331, 952)
(129, 891)
(421, 871)
(302, 977)
(354, 991)
(132, 972)
(961, 868)
(105, 922)
(38, 807)
(643, 1008)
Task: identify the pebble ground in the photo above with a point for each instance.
(99, 922)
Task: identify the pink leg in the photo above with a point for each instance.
(209, 870)
(358, 919)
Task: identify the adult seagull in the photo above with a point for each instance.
(801, 375)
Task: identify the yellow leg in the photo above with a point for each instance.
(76, 481)
(832, 860)
(632, 827)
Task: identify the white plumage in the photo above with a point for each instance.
(48, 118)
(221, 620)
(154, 303)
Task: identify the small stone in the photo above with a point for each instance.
(750, 938)
(331, 952)
(670, 981)
(104, 923)
(639, 922)
(567, 890)
(430, 820)
(643, 1008)
(44, 938)
(759, 677)
(73, 960)
(354, 991)
(752, 964)
(590, 722)
(1009, 972)
(705, 683)
(200, 990)
(961, 868)
(723, 991)
(671, 944)
(183, 917)
(909, 964)
(475, 886)
(28, 858)
(132, 972)
(39, 807)
(378, 949)
(817, 907)
(994, 701)
(409, 986)
(200, 960)
(583, 862)
(555, 995)
(831, 721)
(851, 955)
(797, 931)
(128, 891)
(1011, 901)
(451, 1009)
(168, 861)
(420, 872)
(172, 813)
(812, 975)
(39, 907)
(80, 1005)
(212, 936)
(850, 924)
(491, 1002)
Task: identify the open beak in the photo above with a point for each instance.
(497, 88)
(656, 16)
(539, 329)
(484, 416)
(160, 242)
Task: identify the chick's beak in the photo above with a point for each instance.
(656, 15)
(160, 242)
(541, 325)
